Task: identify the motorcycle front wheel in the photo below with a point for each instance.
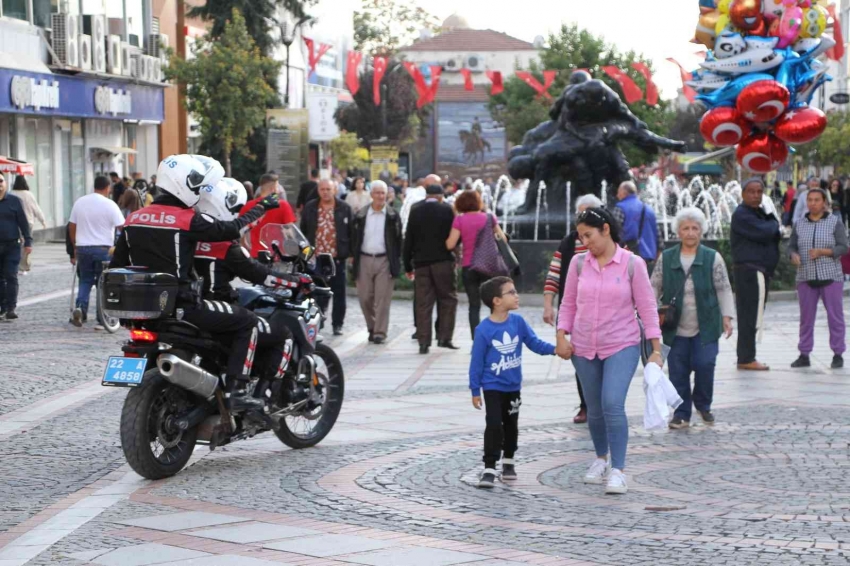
(153, 445)
(312, 425)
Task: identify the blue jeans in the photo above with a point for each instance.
(89, 266)
(605, 384)
(10, 257)
(691, 355)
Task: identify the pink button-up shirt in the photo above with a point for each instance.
(598, 308)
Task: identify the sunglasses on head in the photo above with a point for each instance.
(590, 212)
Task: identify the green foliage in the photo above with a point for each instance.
(381, 27)
(225, 87)
(347, 153)
(519, 109)
(831, 147)
(404, 120)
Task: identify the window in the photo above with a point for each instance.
(15, 9)
(41, 10)
(39, 152)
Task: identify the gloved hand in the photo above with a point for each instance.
(270, 202)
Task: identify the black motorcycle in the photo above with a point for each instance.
(174, 368)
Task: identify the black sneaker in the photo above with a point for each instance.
(337, 330)
(10, 314)
(801, 362)
(508, 471)
(678, 423)
(423, 348)
(447, 344)
(378, 340)
(488, 478)
(371, 337)
(837, 362)
(241, 402)
(707, 417)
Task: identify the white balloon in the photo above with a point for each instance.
(751, 61)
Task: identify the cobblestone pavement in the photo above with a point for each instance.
(394, 482)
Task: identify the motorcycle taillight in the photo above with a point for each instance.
(143, 336)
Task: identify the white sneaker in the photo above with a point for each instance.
(596, 472)
(616, 482)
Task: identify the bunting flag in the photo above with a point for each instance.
(498, 87)
(418, 79)
(689, 92)
(352, 79)
(467, 79)
(651, 89)
(631, 91)
(836, 53)
(380, 66)
(313, 57)
(542, 89)
(431, 92)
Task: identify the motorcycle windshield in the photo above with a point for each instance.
(288, 239)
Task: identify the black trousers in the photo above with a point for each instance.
(435, 283)
(337, 284)
(747, 303)
(272, 350)
(502, 431)
(233, 326)
(472, 281)
(10, 258)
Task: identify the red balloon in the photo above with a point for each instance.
(763, 101)
(724, 126)
(800, 125)
(761, 153)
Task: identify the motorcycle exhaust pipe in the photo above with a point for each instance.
(187, 376)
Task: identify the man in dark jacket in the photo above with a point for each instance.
(118, 186)
(13, 227)
(428, 228)
(327, 224)
(377, 260)
(755, 255)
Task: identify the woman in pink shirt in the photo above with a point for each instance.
(598, 329)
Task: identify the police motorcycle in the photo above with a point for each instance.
(173, 368)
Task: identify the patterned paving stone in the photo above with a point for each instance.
(145, 554)
(329, 545)
(258, 532)
(414, 557)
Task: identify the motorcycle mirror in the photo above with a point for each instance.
(325, 265)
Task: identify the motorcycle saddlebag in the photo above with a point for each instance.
(137, 294)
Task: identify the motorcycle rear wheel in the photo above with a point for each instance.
(153, 448)
(298, 431)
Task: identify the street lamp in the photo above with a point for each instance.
(287, 36)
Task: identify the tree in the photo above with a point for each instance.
(684, 125)
(381, 27)
(365, 118)
(225, 87)
(347, 153)
(519, 109)
(831, 147)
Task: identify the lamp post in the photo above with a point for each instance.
(287, 36)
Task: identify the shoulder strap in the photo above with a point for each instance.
(580, 263)
(631, 268)
(640, 226)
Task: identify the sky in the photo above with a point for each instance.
(659, 28)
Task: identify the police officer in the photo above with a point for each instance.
(163, 237)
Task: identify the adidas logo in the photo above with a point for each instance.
(507, 345)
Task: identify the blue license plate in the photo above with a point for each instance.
(124, 372)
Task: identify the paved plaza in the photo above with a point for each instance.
(394, 483)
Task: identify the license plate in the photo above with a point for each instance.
(124, 372)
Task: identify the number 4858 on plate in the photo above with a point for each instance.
(124, 372)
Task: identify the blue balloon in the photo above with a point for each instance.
(728, 95)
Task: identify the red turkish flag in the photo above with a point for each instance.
(836, 53)
(498, 86)
(651, 89)
(542, 89)
(431, 93)
(380, 66)
(689, 92)
(418, 79)
(312, 57)
(352, 81)
(630, 89)
(467, 79)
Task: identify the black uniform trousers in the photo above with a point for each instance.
(748, 306)
(272, 350)
(337, 284)
(233, 326)
(502, 432)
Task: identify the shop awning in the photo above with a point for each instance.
(114, 149)
(15, 166)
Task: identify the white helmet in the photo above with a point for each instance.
(224, 201)
(186, 176)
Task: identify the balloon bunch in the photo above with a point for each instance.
(760, 75)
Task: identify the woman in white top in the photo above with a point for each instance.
(32, 211)
(358, 197)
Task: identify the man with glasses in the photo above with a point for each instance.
(13, 227)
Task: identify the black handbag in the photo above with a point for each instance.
(508, 256)
(670, 313)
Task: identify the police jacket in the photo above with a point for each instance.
(164, 235)
(218, 263)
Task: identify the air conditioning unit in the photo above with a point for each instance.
(475, 63)
(126, 49)
(145, 68)
(85, 52)
(113, 55)
(453, 65)
(153, 47)
(64, 37)
(135, 64)
(156, 70)
(96, 27)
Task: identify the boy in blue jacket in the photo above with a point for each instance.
(496, 367)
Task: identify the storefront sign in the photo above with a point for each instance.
(384, 162)
(76, 97)
(110, 101)
(840, 98)
(321, 108)
(28, 92)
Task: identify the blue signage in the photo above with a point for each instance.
(41, 94)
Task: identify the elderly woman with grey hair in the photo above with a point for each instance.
(692, 286)
(554, 285)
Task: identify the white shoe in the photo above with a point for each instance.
(616, 482)
(596, 472)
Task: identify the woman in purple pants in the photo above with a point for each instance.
(817, 243)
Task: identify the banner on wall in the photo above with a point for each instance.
(469, 142)
(287, 147)
(384, 159)
(321, 108)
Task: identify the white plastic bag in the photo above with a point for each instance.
(661, 397)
